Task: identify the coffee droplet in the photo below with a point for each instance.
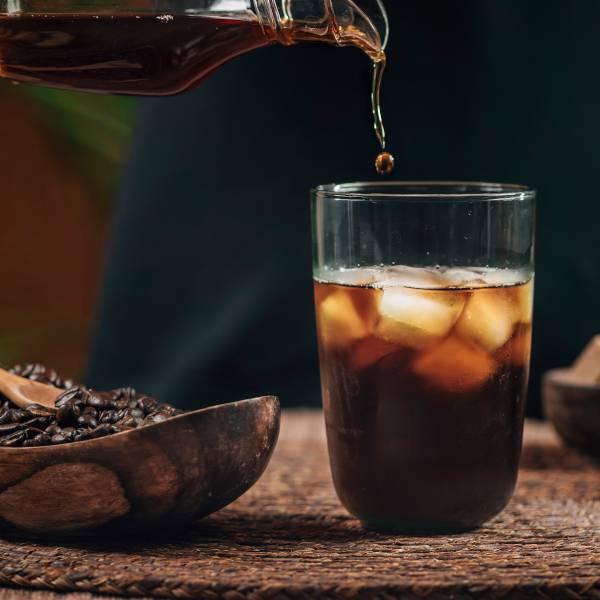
(384, 163)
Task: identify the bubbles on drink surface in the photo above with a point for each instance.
(384, 163)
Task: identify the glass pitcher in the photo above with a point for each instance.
(162, 47)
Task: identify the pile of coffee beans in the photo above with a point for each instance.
(80, 413)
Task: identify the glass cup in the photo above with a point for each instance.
(424, 298)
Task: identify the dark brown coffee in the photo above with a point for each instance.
(424, 376)
(125, 54)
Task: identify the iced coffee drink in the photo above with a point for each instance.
(424, 375)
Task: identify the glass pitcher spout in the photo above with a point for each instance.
(361, 23)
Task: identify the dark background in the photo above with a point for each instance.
(208, 295)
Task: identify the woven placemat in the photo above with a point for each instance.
(289, 538)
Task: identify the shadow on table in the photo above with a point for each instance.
(541, 457)
(227, 527)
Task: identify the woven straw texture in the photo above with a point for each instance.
(289, 538)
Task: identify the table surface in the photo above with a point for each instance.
(290, 538)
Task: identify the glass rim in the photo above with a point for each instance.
(398, 190)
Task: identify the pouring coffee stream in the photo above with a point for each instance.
(166, 47)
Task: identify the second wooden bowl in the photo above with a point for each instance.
(574, 410)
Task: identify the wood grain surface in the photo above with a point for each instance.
(289, 538)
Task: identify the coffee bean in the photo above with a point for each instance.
(81, 413)
(67, 414)
(14, 415)
(100, 431)
(31, 432)
(7, 428)
(87, 421)
(96, 400)
(42, 439)
(157, 418)
(69, 436)
(37, 410)
(13, 439)
(73, 395)
(37, 422)
(107, 417)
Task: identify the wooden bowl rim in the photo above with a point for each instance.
(557, 378)
(58, 448)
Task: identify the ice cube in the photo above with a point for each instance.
(488, 319)
(455, 365)
(355, 277)
(417, 318)
(412, 277)
(503, 277)
(369, 350)
(524, 301)
(518, 349)
(462, 278)
(339, 322)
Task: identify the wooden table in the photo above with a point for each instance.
(289, 538)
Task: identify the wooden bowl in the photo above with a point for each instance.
(144, 480)
(574, 410)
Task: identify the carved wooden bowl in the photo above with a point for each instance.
(149, 479)
(574, 410)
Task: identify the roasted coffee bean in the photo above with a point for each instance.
(129, 423)
(15, 415)
(23, 370)
(157, 418)
(107, 417)
(100, 431)
(37, 410)
(69, 436)
(90, 411)
(58, 438)
(67, 414)
(126, 394)
(52, 429)
(96, 400)
(87, 421)
(73, 395)
(31, 432)
(43, 439)
(37, 422)
(9, 428)
(13, 439)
